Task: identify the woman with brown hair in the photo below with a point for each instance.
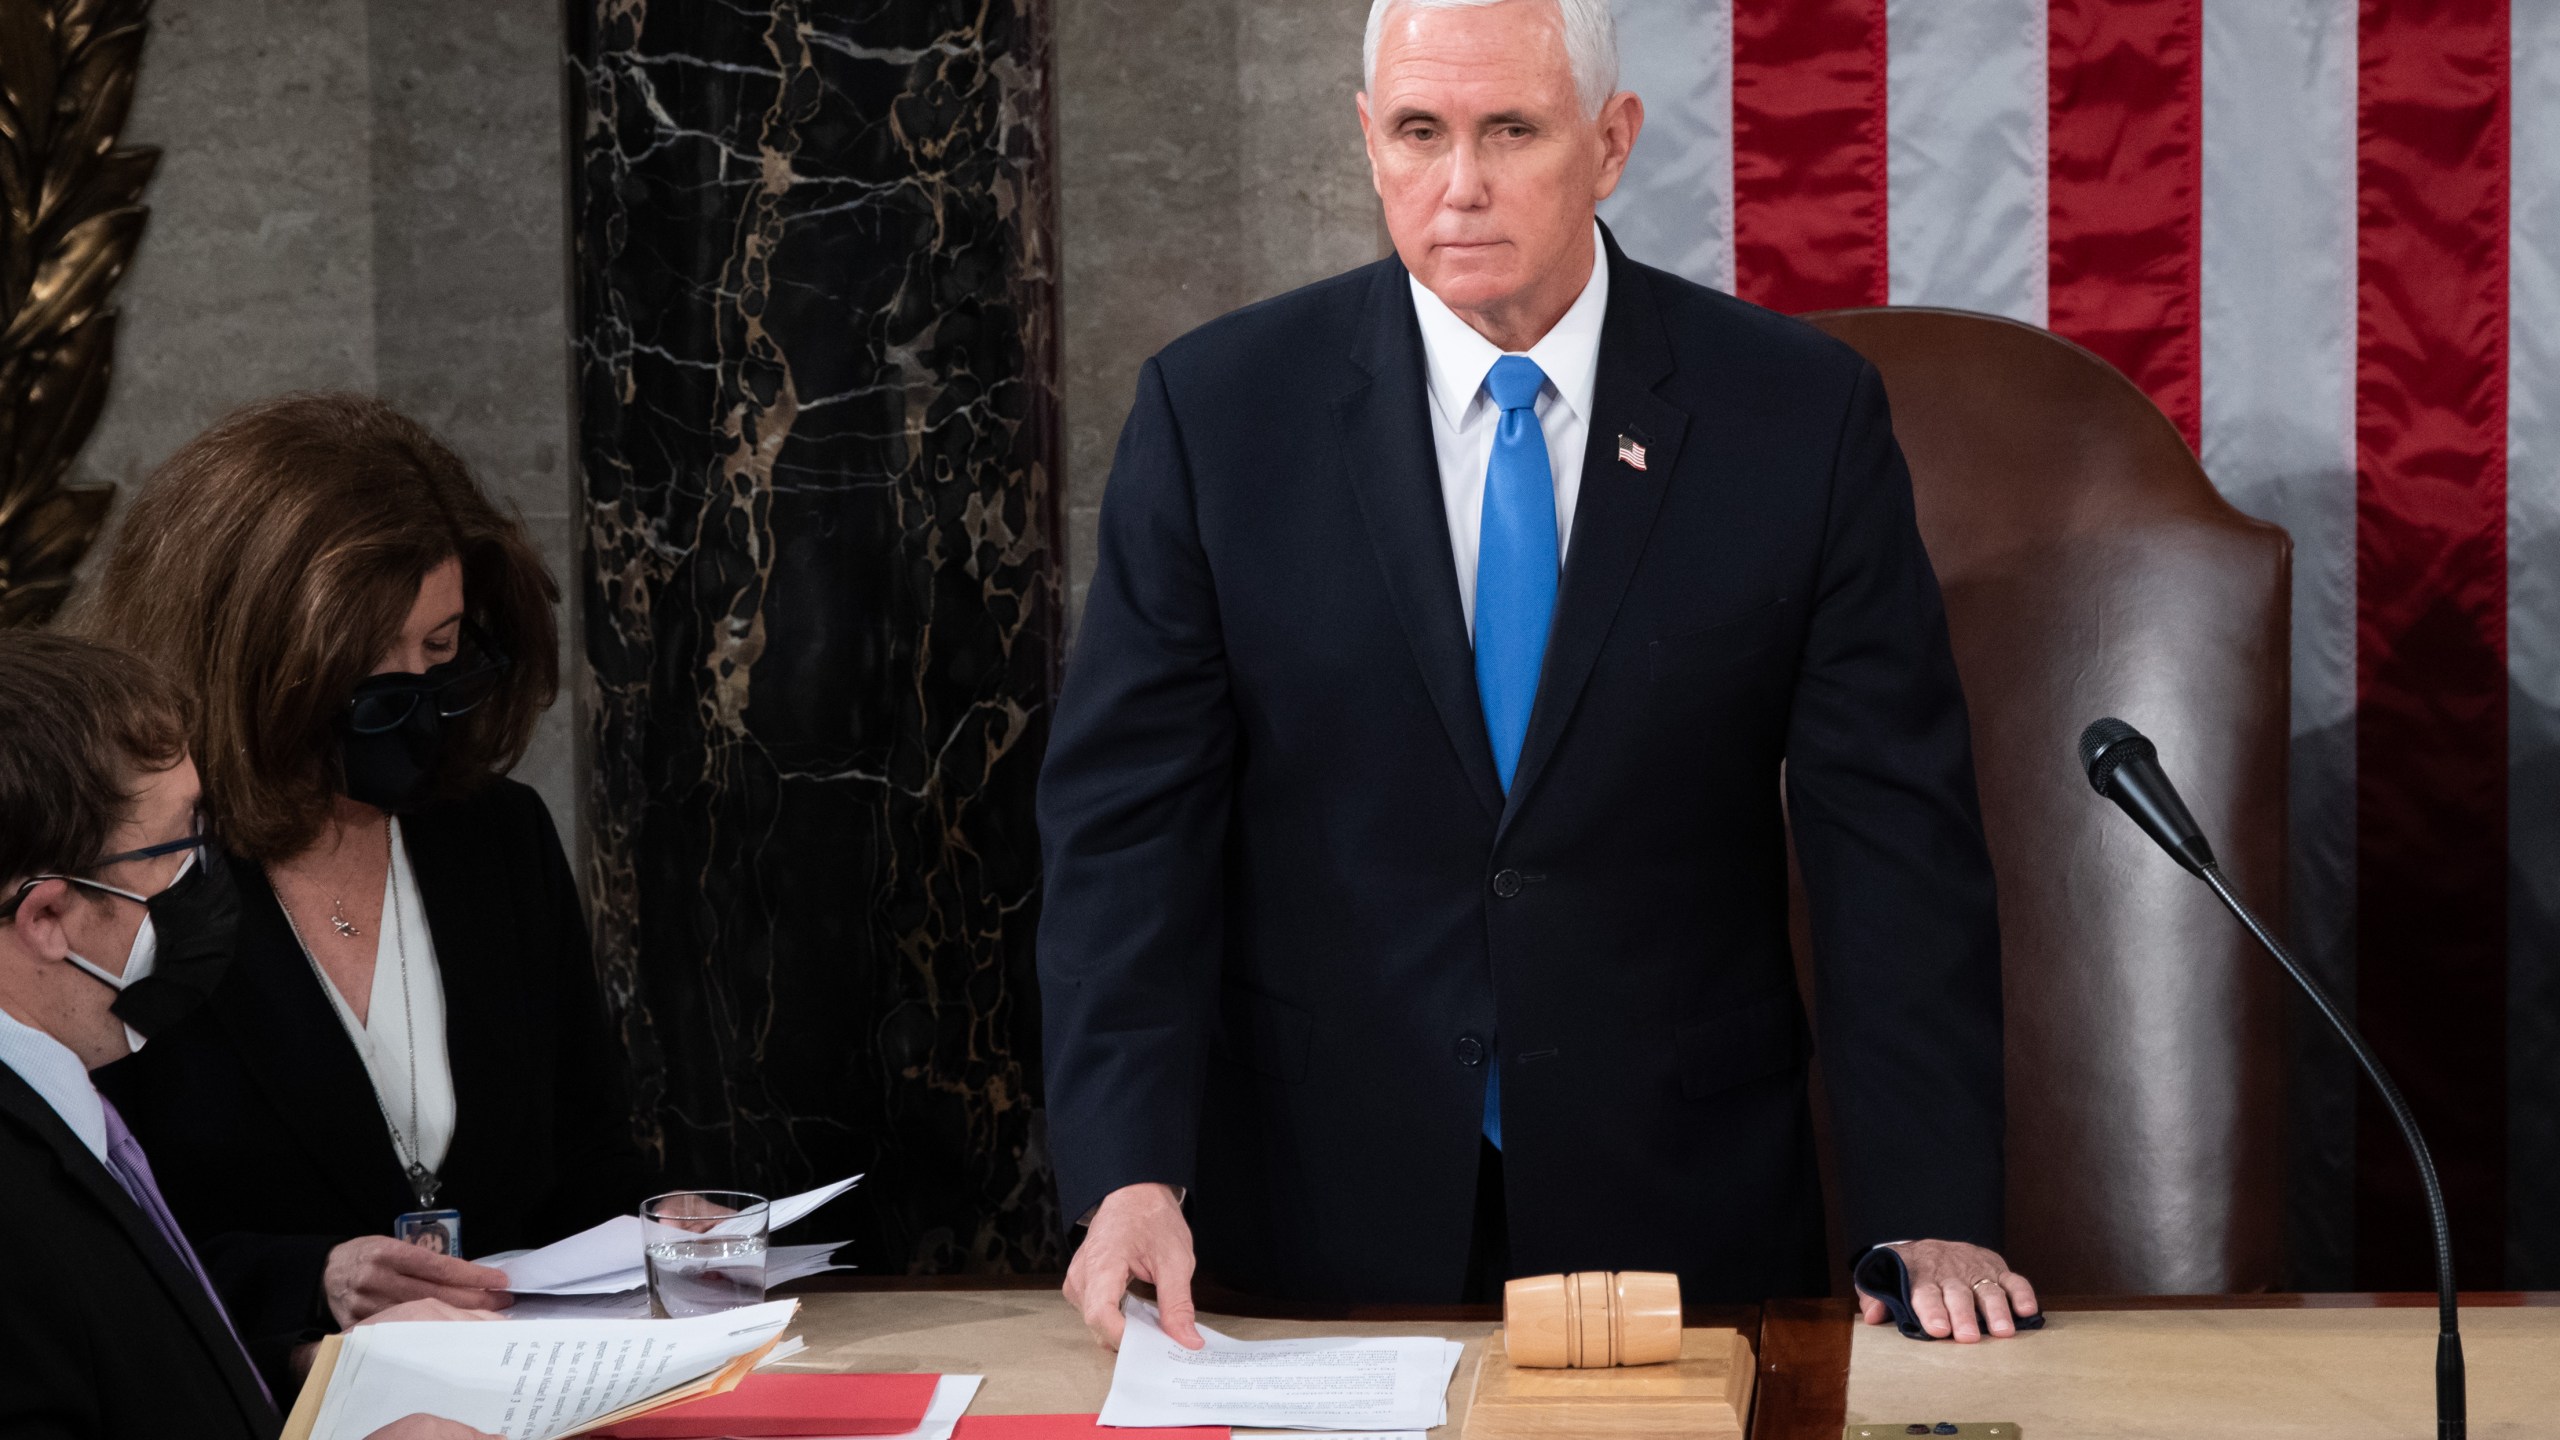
(409, 1039)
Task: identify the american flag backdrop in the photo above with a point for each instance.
(2324, 235)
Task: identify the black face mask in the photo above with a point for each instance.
(393, 769)
(194, 922)
(391, 734)
(189, 930)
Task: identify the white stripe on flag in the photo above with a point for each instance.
(1674, 209)
(2533, 652)
(2278, 355)
(1965, 155)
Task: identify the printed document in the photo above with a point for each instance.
(530, 1381)
(1345, 1383)
(603, 1259)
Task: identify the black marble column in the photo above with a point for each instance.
(817, 369)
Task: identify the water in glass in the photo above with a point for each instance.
(703, 1274)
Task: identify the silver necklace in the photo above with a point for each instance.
(338, 920)
(422, 1181)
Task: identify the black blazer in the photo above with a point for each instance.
(103, 1332)
(262, 1125)
(1289, 908)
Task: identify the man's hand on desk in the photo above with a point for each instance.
(1137, 1233)
(375, 1272)
(1948, 1279)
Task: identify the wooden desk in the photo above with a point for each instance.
(1805, 1353)
(1038, 1359)
(1803, 1345)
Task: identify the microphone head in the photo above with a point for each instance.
(2107, 746)
(2124, 767)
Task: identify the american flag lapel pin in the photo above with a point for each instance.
(1631, 452)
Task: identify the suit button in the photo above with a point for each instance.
(1506, 883)
(1471, 1050)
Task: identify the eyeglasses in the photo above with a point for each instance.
(457, 687)
(195, 841)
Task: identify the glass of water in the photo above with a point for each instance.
(706, 1250)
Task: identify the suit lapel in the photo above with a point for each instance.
(289, 1037)
(1385, 432)
(1615, 514)
(20, 1101)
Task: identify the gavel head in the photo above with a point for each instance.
(1590, 1320)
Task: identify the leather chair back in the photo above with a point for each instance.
(2091, 569)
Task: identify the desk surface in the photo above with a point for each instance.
(2263, 1348)
(2338, 1367)
(1033, 1350)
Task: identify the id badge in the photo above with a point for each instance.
(436, 1230)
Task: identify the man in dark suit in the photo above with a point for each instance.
(110, 1328)
(1416, 869)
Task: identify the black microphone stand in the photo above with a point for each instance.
(2450, 1422)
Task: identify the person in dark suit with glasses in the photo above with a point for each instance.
(409, 1041)
(112, 909)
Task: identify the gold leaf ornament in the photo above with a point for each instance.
(71, 214)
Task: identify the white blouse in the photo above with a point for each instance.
(382, 1039)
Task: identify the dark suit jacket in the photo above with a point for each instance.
(262, 1125)
(1289, 907)
(103, 1333)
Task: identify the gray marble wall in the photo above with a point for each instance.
(1209, 157)
(365, 194)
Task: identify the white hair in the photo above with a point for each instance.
(1590, 43)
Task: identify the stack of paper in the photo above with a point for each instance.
(608, 1259)
(782, 1265)
(1371, 1384)
(534, 1381)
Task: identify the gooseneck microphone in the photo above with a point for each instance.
(2125, 767)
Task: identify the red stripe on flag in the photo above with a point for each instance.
(1808, 153)
(2431, 622)
(2125, 190)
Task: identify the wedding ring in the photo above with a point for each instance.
(1978, 1284)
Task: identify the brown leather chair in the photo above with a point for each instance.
(2091, 569)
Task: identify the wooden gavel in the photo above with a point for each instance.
(1591, 1320)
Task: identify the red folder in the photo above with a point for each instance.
(786, 1403)
(1070, 1427)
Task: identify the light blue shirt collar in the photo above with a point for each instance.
(53, 1072)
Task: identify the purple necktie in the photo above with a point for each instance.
(126, 1162)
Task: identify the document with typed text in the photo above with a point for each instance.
(1366, 1383)
(533, 1380)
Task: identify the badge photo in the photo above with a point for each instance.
(437, 1230)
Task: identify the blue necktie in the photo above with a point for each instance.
(1515, 590)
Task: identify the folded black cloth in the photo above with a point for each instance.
(1881, 1275)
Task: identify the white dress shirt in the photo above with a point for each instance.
(382, 1037)
(56, 1074)
(1464, 417)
